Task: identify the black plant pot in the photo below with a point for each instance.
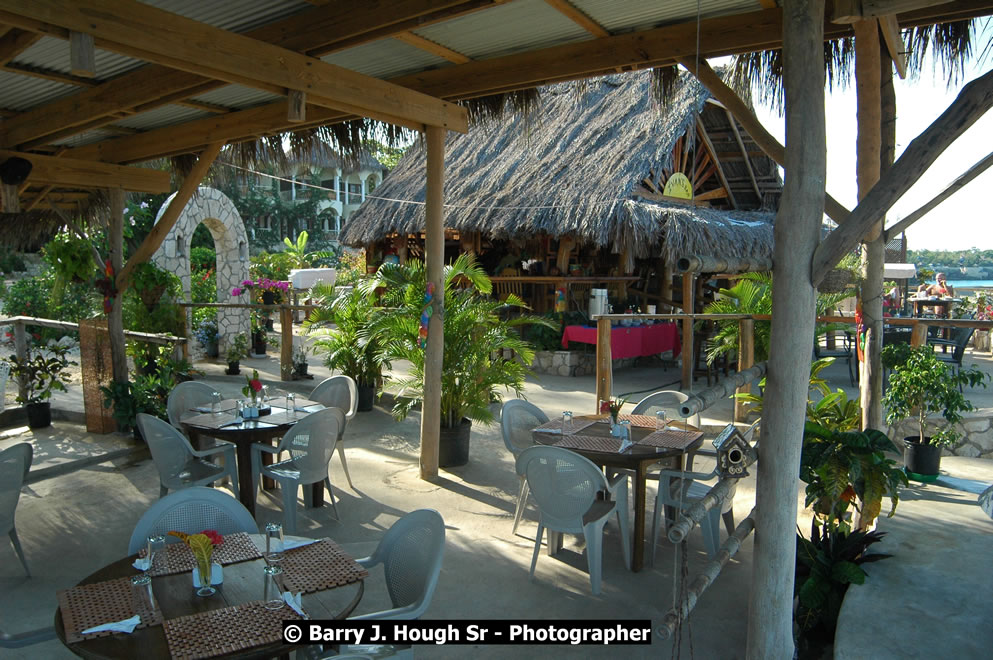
(268, 297)
(39, 414)
(234, 368)
(212, 349)
(921, 459)
(453, 445)
(300, 369)
(258, 343)
(367, 398)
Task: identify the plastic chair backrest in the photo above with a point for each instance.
(186, 396)
(517, 419)
(669, 401)
(170, 448)
(4, 375)
(192, 510)
(15, 462)
(411, 554)
(311, 443)
(563, 484)
(962, 337)
(337, 392)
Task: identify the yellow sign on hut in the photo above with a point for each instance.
(678, 186)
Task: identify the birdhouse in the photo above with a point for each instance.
(734, 454)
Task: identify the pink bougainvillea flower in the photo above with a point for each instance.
(236, 291)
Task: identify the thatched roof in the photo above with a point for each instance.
(574, 167)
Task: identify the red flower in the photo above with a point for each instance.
(605, 406)
(215, 538)
(255, 385)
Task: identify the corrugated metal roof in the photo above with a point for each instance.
(53, 54)
(87, 137)
(239, 16)
(513, 27)
(627, 15)
(385, 58)
(237, 96)
(22, 92)
(166, 115)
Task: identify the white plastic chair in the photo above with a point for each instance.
(14, 465)
(565, 487)
(669, 401)
(339, 392)
(4, 375)
(29, 638)
(411, 554)
(186, 397)
(181, 466)
(517, 419)
(682, 489)
(192, 510)
(310, 444)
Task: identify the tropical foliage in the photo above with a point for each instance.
(44, 372)
(349, 347)
(474, 371)
(299, 257)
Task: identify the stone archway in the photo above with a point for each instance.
(212, 208)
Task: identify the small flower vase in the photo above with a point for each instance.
(205, 575)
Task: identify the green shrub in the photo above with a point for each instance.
(202, 258)
(27, 297)
(36, 296)
(10, 261)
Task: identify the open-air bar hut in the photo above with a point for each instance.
(600, 180)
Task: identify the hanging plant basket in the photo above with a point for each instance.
(150, 297)
(836, 281)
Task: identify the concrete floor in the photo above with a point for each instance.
(74, 523)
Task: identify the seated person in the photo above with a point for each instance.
(941, 287)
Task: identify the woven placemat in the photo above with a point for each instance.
(319, 566)
(589, 443)
(284, 417)
(641, 421)
(178, 558)
(578, 424)
(280, 402)
(226, 630)
(212, 420)
(671, 439)
(95, 604)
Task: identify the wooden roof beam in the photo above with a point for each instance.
(49, 170)
(14, 42)
(161, 37)
(428, 46)
(890, 29)
(702, 132)
(578, 17)
(850, 11)
(316, 32)
(744, 152)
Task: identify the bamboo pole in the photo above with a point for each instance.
(604, 366)
(703, 400)
(706, 264)
(285, 343)
(797, 229)
(688, 308)
(715, 497)
(115, 320)
(746, 359)
(21, 350)
(434, 260)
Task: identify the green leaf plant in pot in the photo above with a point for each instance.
(42, 373)
(237, 349)
(342, 326)
(474, 371)
(920, 386)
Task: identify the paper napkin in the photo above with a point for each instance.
(142, 563)
(124, 626)
(289, 545)
(295, 602)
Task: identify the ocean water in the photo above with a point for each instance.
(968, 287)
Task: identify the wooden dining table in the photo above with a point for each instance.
(637, 458)
(243, 433)
(175, 597)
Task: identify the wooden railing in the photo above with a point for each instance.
(20, 324)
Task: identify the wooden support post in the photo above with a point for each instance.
(918, 336)
(746, 358)
(434, 261)
(688, 308)
(604, 366)
(296, 109)
(82, 55)
(285, 343)
(11, 197)
(566, 244)
(115, 320)
(21, 350)
(797, 230)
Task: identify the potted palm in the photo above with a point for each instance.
(43, 373)
(349, 347)
(920, 386)
(237, 350)
(474, 372)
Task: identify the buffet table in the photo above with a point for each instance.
(628, 341)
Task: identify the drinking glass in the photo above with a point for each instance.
(567, 422)
(272, 595)
(265, 396)
(291, 403)
(156, 548)
(661, 421)
(142, 599)
(241, 409)
(215, 402)
(273, 542)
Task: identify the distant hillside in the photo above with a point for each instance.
(958, 264)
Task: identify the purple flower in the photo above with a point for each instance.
(236, 291)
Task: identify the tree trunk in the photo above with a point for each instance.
(115, 321)
(770, 613)
(868, 145)
(434, 261)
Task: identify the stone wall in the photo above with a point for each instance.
(975, 433)
(571, 363)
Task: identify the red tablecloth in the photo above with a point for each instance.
(629, 342)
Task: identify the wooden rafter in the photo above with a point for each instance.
(162, 37)
(14, 42)
(48, 170)
(702, 135)
(428, 46)
(744, 152)
(890, 29)
(850, 11)
(578, 17)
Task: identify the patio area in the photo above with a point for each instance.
(73, 520)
